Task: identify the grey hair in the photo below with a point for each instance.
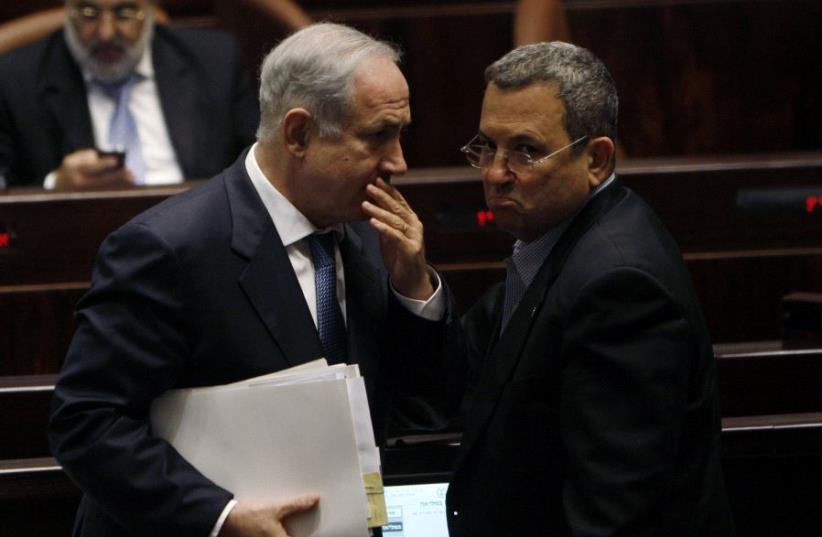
(584, 84)
(315, 69)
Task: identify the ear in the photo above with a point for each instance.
(296, 130)
(600, 155)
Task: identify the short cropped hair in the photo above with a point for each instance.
(584, 84)
(314, 68)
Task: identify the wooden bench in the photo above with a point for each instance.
(24, 413)
(678, 65)
(766, 378)
(771, 466)
(36, 498)
(802, 314)
(771, 434)
(742, 263)
(37, 326)
(755, 379)
(697, 199)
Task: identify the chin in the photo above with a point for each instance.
(359, 216)
(353, 215)
(506, 222)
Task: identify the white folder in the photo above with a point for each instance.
(298, 431)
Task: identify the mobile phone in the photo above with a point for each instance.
(120, 155)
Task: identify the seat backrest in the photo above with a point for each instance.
(30, 28)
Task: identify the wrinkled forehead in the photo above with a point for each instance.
(535, 108)
(378, 79)
(380, 91)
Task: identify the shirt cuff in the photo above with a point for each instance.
(220, 521)
(432, 309)
(50, 181)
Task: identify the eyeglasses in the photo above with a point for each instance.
(482, 155)
(91, 14)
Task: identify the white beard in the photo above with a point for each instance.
(108, 71)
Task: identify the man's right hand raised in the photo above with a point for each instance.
(265, 519)
(86, 169)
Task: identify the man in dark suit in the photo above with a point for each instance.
(187, 106)
(592, 407)
(219, 284)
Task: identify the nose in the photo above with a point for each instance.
(106, 26)
(497, 172)
(394, 161)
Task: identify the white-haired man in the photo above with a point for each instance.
(175, 101)
(224, 282)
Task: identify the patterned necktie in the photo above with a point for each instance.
(122, 129)
(514, 289)
(330, 323)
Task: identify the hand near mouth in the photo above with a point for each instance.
(401, 239)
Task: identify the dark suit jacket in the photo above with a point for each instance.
(196, 291)
(210, 108)
(595, 412)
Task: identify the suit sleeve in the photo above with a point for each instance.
(130, 346)
(441, 359)
(628, 352)
(421, 381)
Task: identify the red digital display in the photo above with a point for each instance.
(5, 239)
(813, 203)
(484, 217)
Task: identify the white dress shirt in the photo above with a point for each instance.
(292, 227)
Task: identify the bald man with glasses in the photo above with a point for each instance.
(114, 99)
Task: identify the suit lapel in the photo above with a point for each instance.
(269, 281)
(64, 94)
(179, 98)
(505, 355)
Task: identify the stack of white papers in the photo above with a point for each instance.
(299, 431)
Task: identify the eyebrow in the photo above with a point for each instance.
(517, 138)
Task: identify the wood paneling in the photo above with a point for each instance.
(771, 466)
(754, 383)
(694, 77)
(37, 327)
(742, 263)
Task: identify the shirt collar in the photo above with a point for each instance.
(603, 185)
(145, 67)
(292, 226)
(529, 257)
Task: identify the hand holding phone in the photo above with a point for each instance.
(93, 168)
(119, 154)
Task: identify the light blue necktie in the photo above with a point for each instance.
(330, 322)
(122, 129)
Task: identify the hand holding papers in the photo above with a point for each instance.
(301, 431)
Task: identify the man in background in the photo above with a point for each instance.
(175, 101)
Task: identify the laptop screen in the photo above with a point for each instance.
(416, 510)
